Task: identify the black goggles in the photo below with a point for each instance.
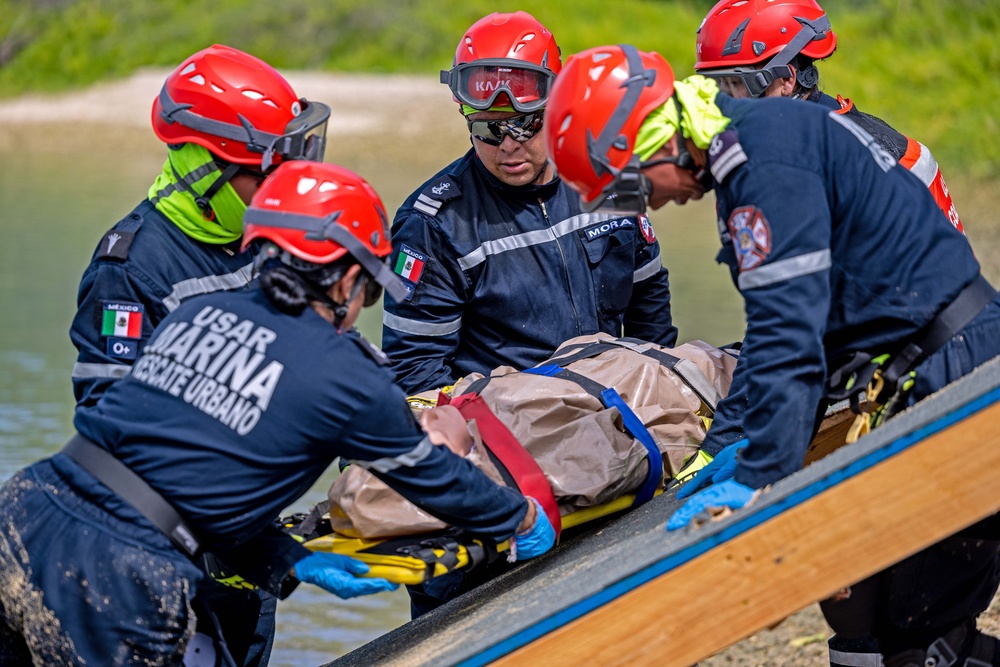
(304, 137)
(520, 128)
(479, 83)
(754, 82)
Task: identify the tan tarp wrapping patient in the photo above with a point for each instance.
(580, 446)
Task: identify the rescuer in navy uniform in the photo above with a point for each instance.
(235, 407)
(841, 255)
(227, 118)
(501, 264)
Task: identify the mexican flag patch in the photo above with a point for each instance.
(122, 319)
(410, 264)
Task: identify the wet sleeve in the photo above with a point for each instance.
(421, 333)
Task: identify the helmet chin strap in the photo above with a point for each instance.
(204, 201)
(338, 309)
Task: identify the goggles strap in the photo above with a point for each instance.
(172, 112)
(255, 140)
(611, 137)
(810, 30)
(328, 229)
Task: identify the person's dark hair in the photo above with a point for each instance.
(291, 289)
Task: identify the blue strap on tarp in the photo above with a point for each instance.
(610, 398)
(638, 430)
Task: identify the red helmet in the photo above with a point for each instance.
(510, 54)
(240, 109)
(739, 35)
(318, 212)
(595, 110)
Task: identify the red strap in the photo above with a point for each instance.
(515, 458)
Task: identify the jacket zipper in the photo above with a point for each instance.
(562, 255)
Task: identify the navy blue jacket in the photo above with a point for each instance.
(835, 248)
(502, 275)
(143, 268)
(234, 410)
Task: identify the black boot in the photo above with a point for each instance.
(965, 646)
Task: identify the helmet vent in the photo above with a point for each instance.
(271, 103)
(253, 94)
(524, 42)
(199, 79)
(305, 184)
(596, 72)
(327, 186)
(566, 123)
(187, 70)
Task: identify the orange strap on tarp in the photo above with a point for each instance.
(504, 446)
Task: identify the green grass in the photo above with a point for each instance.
(931, 68)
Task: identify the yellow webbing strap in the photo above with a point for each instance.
(398, 568)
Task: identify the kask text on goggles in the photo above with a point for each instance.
(479, 83)
(520, 128)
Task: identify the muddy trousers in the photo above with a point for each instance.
(84, 578)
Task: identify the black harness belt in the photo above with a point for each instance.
(119, 478)
(851, 377)
(949, 321)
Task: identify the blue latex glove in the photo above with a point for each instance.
(337, 574)
(728, 493)
(720, 469)
(539, 539)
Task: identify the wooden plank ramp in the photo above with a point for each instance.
(627, 593)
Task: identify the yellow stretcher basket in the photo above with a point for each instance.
(419, 558)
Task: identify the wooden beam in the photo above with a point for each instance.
(803, 554)
(626, 592)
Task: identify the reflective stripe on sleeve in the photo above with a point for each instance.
(926, 167)
(647, 270)
(536, 237)
(407, 460)
(100, 370)
(842, 659)
(786, 269)
(186, 289)
(406, 325)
